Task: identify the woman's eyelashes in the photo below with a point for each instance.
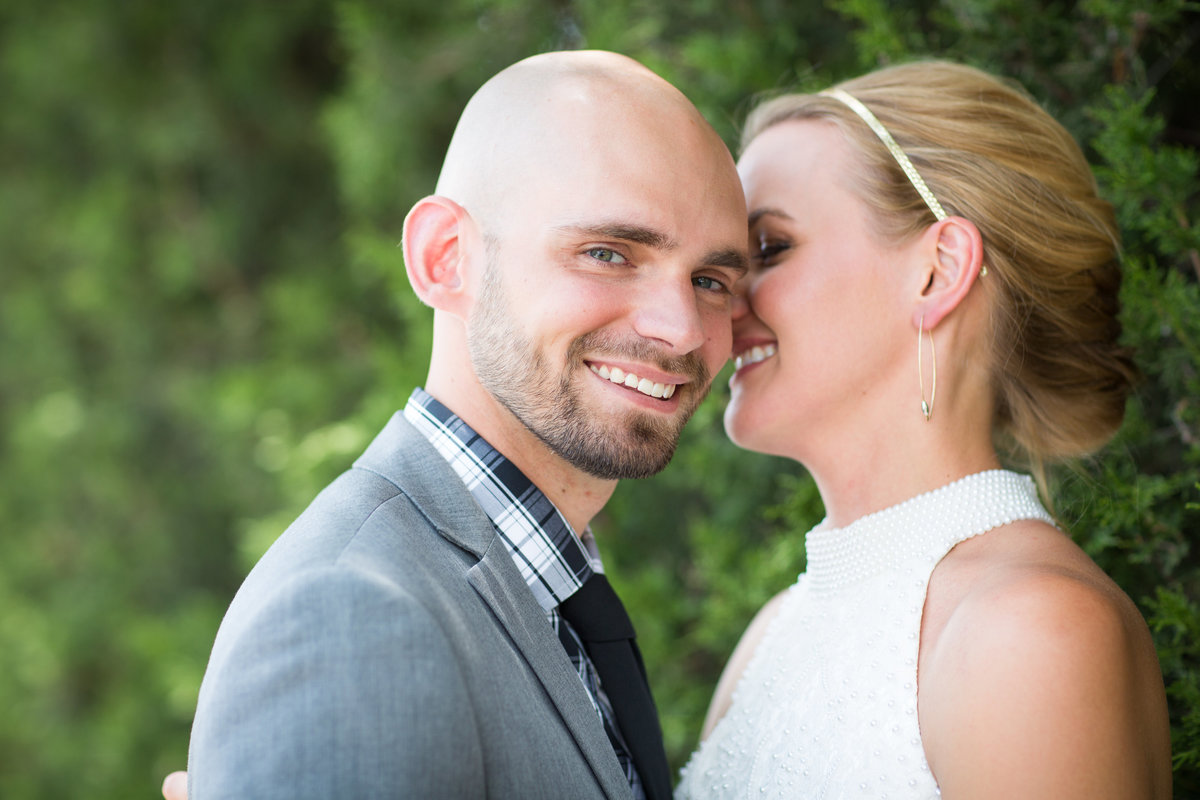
(766, 249)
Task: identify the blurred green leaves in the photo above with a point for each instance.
(204, 317)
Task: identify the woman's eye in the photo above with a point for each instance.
(767, 251)
(607, 256)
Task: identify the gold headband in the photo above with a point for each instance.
(913, 176)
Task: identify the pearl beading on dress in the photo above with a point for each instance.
(827, 707)
(928, 523)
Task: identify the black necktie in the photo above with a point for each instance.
(596, 614)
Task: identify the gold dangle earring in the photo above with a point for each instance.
(926, 408)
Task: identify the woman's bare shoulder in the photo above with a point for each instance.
(1036, 659)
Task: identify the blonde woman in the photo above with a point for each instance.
(936, 279)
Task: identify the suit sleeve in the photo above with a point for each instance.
(340, 685)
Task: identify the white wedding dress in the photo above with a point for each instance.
(827, 707)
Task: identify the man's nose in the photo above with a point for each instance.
(669, 312)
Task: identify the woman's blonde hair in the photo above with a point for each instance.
(990, 154)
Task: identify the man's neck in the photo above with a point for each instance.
(577, 495)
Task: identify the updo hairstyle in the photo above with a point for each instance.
(991, 155)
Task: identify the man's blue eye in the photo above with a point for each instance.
(606, 255)
(705, 282)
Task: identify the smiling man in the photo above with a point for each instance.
(436, 623)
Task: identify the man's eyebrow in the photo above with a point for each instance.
(638, 234)
(759, 213)
(728, 259)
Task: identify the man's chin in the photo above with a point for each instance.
(645, 449)
(627, 467)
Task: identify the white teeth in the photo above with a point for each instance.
(644, 385)
(753, 355)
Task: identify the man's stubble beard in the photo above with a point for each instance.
(508, 366)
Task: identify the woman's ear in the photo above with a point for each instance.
(436, 247)
(954, 251)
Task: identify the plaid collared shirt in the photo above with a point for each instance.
(553, 560)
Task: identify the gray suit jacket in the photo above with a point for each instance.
(386, 646)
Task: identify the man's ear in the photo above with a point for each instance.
(437, 244)
(953, 251)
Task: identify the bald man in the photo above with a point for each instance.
(408, 635)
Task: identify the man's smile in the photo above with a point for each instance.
(644, 385)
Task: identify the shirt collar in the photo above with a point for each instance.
(553, 561)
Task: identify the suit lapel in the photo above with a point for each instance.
(405, 458)
(497, 581)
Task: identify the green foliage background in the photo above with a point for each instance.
(204, 317)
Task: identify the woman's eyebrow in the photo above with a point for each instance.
(759, 213)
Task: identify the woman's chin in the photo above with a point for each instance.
(740, 429)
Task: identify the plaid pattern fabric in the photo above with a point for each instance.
(553, 561)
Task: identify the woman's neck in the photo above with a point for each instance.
(899, 461)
